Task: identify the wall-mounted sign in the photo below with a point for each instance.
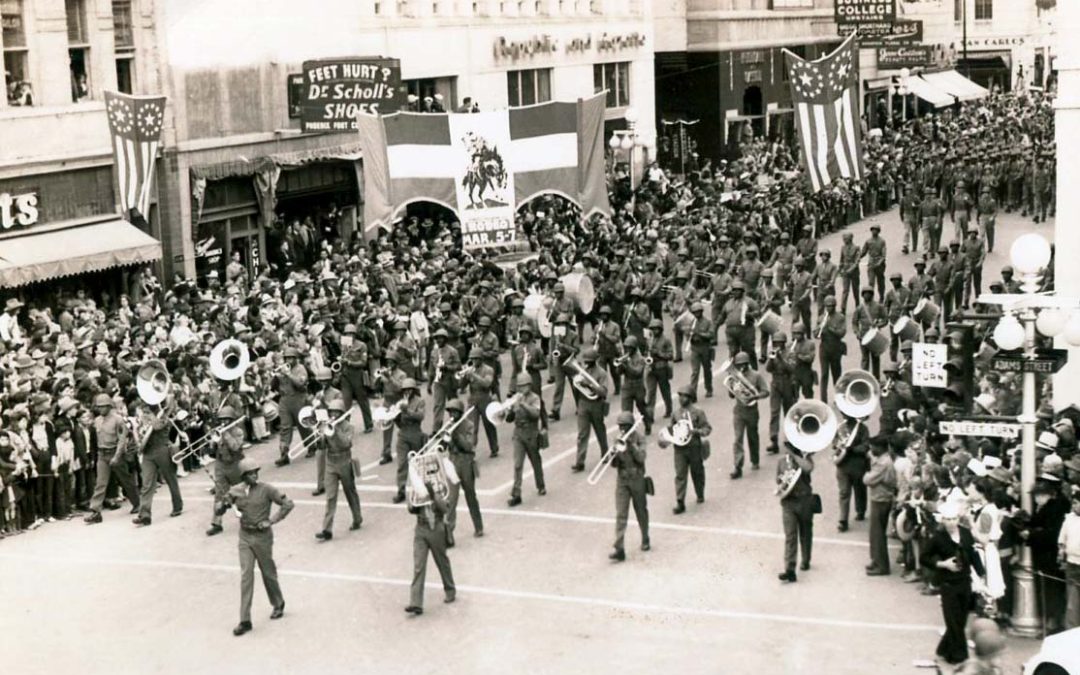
(751, 76)
(904, 56)
(885, 34)
(751, 56)
(18, 210)
(540, 45)
(519, 49)
(337, 90)
(617, 43)
(864, 11)
(993, 42)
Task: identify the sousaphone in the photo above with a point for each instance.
(153, 382)
(229, 359)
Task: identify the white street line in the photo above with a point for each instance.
(640, 607)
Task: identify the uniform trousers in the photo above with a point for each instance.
(688, 459)
(851, 285)
(701, 365)
(288, 411)
(440, 394)
(870, 361)
(154, 464)
(492, 433)
(746, 421)
(527, 448)
(879, 526)
(340, 469)
(1072, 595)
(226, 475)
(589, 420)
(119, 472)
(973, 285)
(407, 443)
(987, 227)
(465, 465)
(630, 488)
(800, 313)
(652, 383)
(429, 539)
(560, 390)
(780, 401)
(257, 546)
(875, 278)
(633, 394)
(926, 230)
(850, 484)
(608, 363)
(739, 339)
(798, 531)
(387, 440)
(352, 389)
(829, 360)
(956, 602)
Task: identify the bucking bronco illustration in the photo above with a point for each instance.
(486, 170)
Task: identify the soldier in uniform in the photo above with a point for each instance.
(974, 253)
(112, 437)
(897, 303)
(340, 466)
(606, 343)
(431, 534)
(652, 290)
(720, 286)
(293, 391)
(156, 461)
(800, 293)
(514, 322)
(462, 444)
(630, 485)
(852, 443)
(410, 433)
(751, 269)
(831, 334)
(690, 457)
(783, 260)
(391, 391)
(773, 300)
(591, 412)
(782, 387)
(910, 208)
(527, 416)
(746, 417)
(443, 385)
(677, 307)
(874, 251)
(478, 380)
(803, 351)
(797, 507)
(256, 545)
(356, 374)
(870, 315)
(807, 247)
(658, 375)
(825, 280)
(849, 270)
(226, 465)
(959, 276)
(565, 343)
(739, 315)
(406, 348)
(636, 322)
(1043, 188)
(633, 391)
(703, 348)
(931, 214)
(942, 271)
(488, 342)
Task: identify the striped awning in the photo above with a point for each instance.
(38, 256)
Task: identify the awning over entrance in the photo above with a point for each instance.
(74, 250)
(929, 93)
(952, 82)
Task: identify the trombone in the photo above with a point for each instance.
(317, 421)
(609, 457)
(211, 438)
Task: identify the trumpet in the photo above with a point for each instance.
(619, 446)
(211, 438)
(385, 416)
(335, 367)
(380, 374)
(619, 360)
(496, 411)
(707, 275)
(465, 371)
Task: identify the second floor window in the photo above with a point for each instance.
(615, 77)
(16, 56)
(78, 49)
(984, 10)
(526, 87)
(124, 38)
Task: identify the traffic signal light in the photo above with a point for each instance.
(960, 366)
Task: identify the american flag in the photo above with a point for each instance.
(135, 124)
(826, 98)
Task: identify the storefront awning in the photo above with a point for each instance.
(928, 92)
(952, 82)
(74, 250)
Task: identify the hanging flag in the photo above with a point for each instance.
(135, 124)
(826, 98)
(484, 165)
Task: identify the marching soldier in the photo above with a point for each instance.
(799, 291)
(870, 315)
(607, 341)
(636, 323)
(340, 466)
(431, 534)
(720, 286)
(479, 377)
(973, 253)
(942, 272)
(931, 215)
(293, 395)
(874, 251)
(226, 465)
(630, 486)
(750, 269)
(773, 299)
(462, 444)
(565, 343)
(782, 388)
(803, 350)
(658, 375)
(831, 333)
(528, 359)
(850, 447)
(797, 507)
(513, 323)
(677, 307)
(253, 499)
(156, 461)
(443, 385)
(406, 348)
(633, 391)
(527, 416)
(825, 280)
(806, 247)
(410, 434)
(849, 270)
(488, 342)
(702, 349)
(782, 260)
(391, 390)
(112, 437)
(920, 284)
(356, 374)
(987, 207)
(740, 313)
(897, 303)
(591, 412)
(652, 290)
(690, 457)
(746, 416)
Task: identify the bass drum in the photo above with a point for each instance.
(537, 307)
(579, 288)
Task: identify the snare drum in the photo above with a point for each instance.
(769, 323)
(875, 341)
(906, 329)
(926, 312)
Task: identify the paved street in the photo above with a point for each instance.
(536, 594)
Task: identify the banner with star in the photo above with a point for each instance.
(135, 124)
(825, 94)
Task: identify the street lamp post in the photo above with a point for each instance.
(1025, 312)
(905, 73)
(627, 140)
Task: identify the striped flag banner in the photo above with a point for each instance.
(482, 166)
(826, 98)
(135, 124)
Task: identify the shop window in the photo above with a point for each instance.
(984, 10)
(295, 87)
(526, 87)
(791, 4)
(78, 49)
(16, 57)
(958, 9)
(124, 45)
(615, 78)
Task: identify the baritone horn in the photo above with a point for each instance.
(496, 411)
(737, 384)
(810, 426)
(384, 416)
(229, 359)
